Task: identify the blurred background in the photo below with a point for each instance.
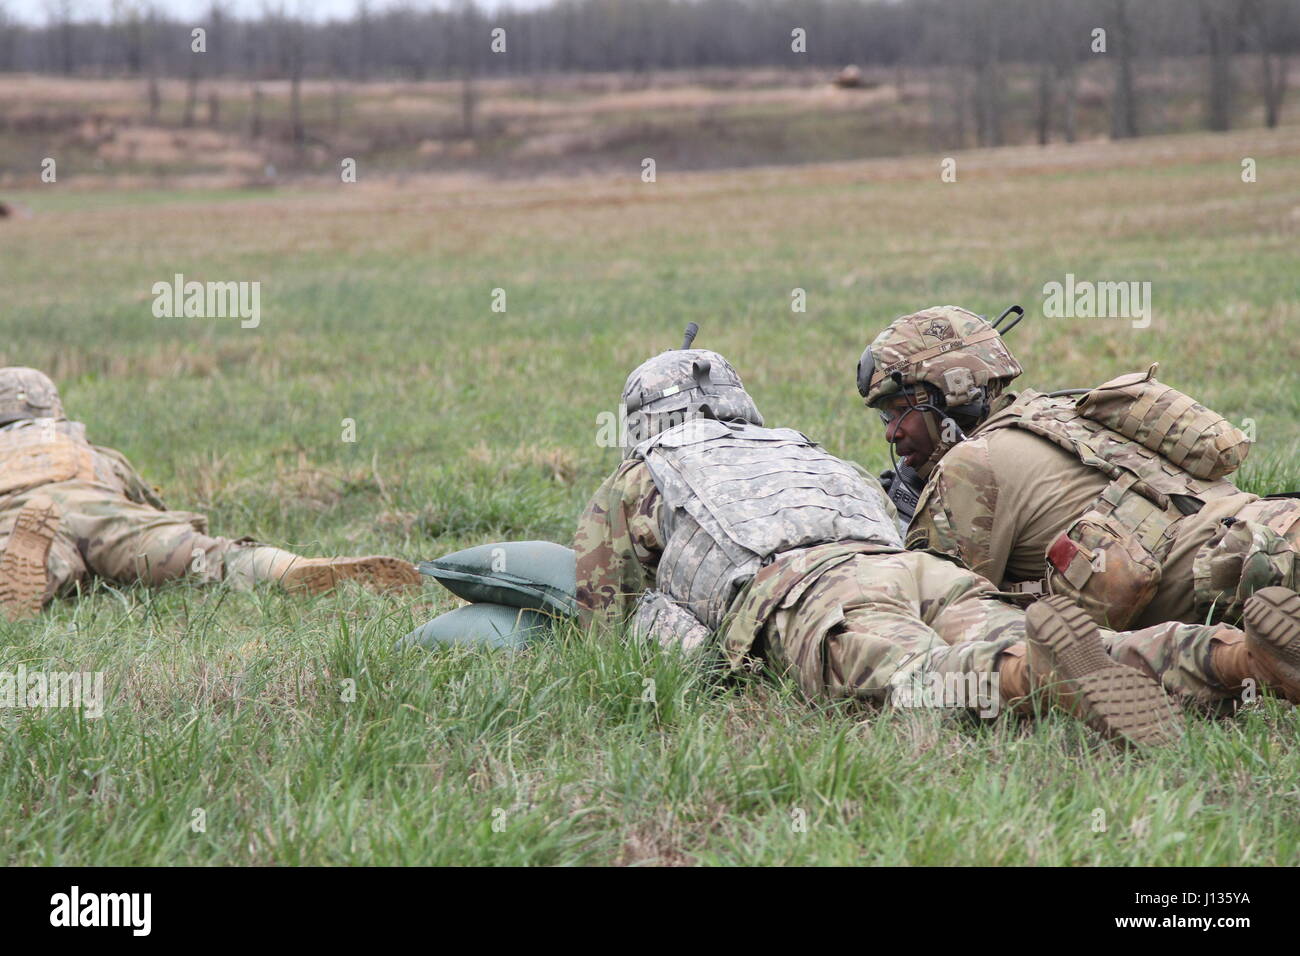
(284, 89)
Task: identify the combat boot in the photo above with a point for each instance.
(23, 574)
(248, 565)
(1067, 660)
(1013, 680)
(1269, 654)
(318, 575)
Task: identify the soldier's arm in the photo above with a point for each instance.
(137, 489)
(957, 513)
(618, 544)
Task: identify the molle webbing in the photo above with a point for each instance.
(1195, 439)
(735, 495)
(1166, 491)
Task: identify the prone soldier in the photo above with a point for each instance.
(1117, 498)
(716, 532)
(70, 510)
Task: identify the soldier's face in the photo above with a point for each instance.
(906, 432)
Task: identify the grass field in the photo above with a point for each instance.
(474, 426)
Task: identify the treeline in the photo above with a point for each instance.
(972, 42)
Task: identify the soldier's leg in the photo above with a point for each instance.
(38, 557)
(1208, 665)
(126, 542)
(1062, 653)
(887, 627)
(859, 631)
(29, 536)
(1180, 656)
(248, 564)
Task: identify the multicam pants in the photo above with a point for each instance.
(102, 532)
(877, 622)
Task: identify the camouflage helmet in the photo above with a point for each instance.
(678, 385)
(27, 393)
(958, 353)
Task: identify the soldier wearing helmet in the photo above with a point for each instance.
(70, 511)
(719, 535)
(1116, 498)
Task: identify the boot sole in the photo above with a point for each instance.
(1118, 702)
(23, 573)
(1273, 632)
(379, 573)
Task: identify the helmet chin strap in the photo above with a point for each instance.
(932, 428)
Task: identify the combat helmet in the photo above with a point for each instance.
(27, 393)
(951, 360)
(679, 385)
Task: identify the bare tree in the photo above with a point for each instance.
(1219, 25)
(63, 33)
(255, 114)
(1124, 108)
(1273, 28)
(1059, 35)
(191, 91)
(150, 28)
(128, 24)
(8, 35)
(470, 36)
(984, 30)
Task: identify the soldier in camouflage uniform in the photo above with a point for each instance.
(70, 509)
(716, 532)
(1116, 498)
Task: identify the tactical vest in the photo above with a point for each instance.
(43, 451)
(1147, 495)
(736, 495)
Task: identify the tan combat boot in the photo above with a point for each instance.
(1269, 654)
(317, 575)
(1067, 659)
(1013, 680)
(248, 565)
(23, 574)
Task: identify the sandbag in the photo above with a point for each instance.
(1164, 420)
(479, 625)
(537, 575)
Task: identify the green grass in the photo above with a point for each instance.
(475, 426)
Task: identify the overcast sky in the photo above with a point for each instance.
(37, 11)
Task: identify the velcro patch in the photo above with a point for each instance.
(1062, 553)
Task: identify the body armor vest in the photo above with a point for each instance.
(1147, 495)
(43, 451)
(735, 495)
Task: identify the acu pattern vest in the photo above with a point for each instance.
(735, 495)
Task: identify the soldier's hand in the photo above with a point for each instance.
(887, 479)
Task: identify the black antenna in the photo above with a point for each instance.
(1020, 314)
(692, 330)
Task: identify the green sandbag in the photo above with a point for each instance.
(479, 625)
(538, 575)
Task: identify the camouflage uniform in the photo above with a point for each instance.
(112, 524)
(99, 517)
(785, 552)
(852, 619)
(1045, 496)
(1018, 508)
